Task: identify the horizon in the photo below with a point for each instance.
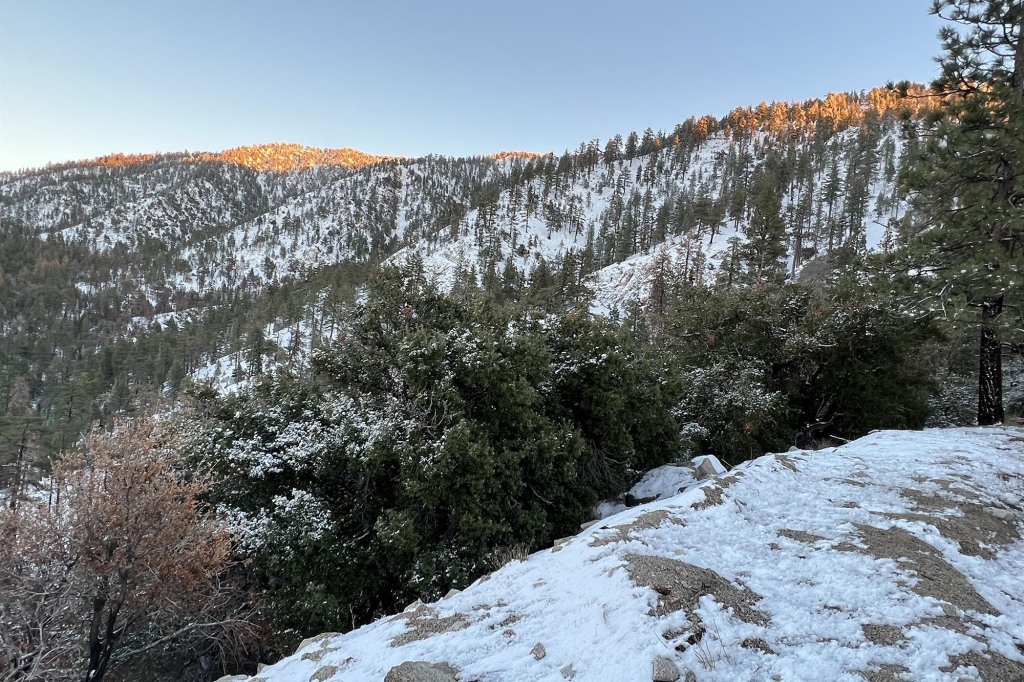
(404, 80)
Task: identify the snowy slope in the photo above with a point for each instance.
(896, 557)
(588, 208)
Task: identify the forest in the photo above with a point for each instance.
(308, 387)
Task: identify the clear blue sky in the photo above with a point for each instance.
(79, 79)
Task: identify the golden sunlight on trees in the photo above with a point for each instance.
(123, 557)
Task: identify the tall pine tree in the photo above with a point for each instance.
(968, 188)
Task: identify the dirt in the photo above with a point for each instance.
(886, 635)
(800, 536)
(990, 665)
(887, 672)
(936, 578)
(757, 644)
(681, 585)
(977, 530)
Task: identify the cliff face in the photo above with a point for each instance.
(898, 556)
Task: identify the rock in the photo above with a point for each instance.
(233, 678)
(451, 593)
(323, 673)
(587, 524)
(793, 448)
(708, 466)
(690, 676)
(560, 542)
(664, 670)
(538, 651)
(313, 640)
(999, 513)
(422, 671)
(633, 501)
(568, 672)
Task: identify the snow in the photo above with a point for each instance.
(658, 483)
(717, 467)
(795, 530)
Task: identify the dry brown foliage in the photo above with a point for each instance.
(122, 555)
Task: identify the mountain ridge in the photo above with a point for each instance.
(190, 245)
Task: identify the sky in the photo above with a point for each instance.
(413, 77)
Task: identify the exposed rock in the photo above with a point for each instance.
(937, 578)
(316, 655)
(707, 466)
(424, 622)
(681, 585)
(713, 492)
(538, 651)
(323, 673)
(800, 536)
(632, 500)
(568, 672)
(422, 671)
(557, 545)
(977, 529)
(664, 670)
(788, 462)
(232, 678)
(316, 640)
(623, 533)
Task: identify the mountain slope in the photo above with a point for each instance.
(122, 277)
(895, 557)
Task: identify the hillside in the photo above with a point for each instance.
(125, 278)
(896, 557)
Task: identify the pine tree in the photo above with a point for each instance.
(968, 187)
(765, 249)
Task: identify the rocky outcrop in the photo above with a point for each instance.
(421, 671)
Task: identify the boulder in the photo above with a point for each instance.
(314, 640)
(664, 670)
(708, 466)
(422, 671)
(538, 651)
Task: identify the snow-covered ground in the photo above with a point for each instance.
(896, 557)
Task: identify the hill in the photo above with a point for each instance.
(896, 557)
(125, 278)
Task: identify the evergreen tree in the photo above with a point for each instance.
(968, 187)
(765, 248)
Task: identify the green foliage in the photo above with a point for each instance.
(436, 433)
(770, 367)
(964, 246)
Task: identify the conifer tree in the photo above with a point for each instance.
(968, 187)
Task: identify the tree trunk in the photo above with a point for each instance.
(990, 375)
